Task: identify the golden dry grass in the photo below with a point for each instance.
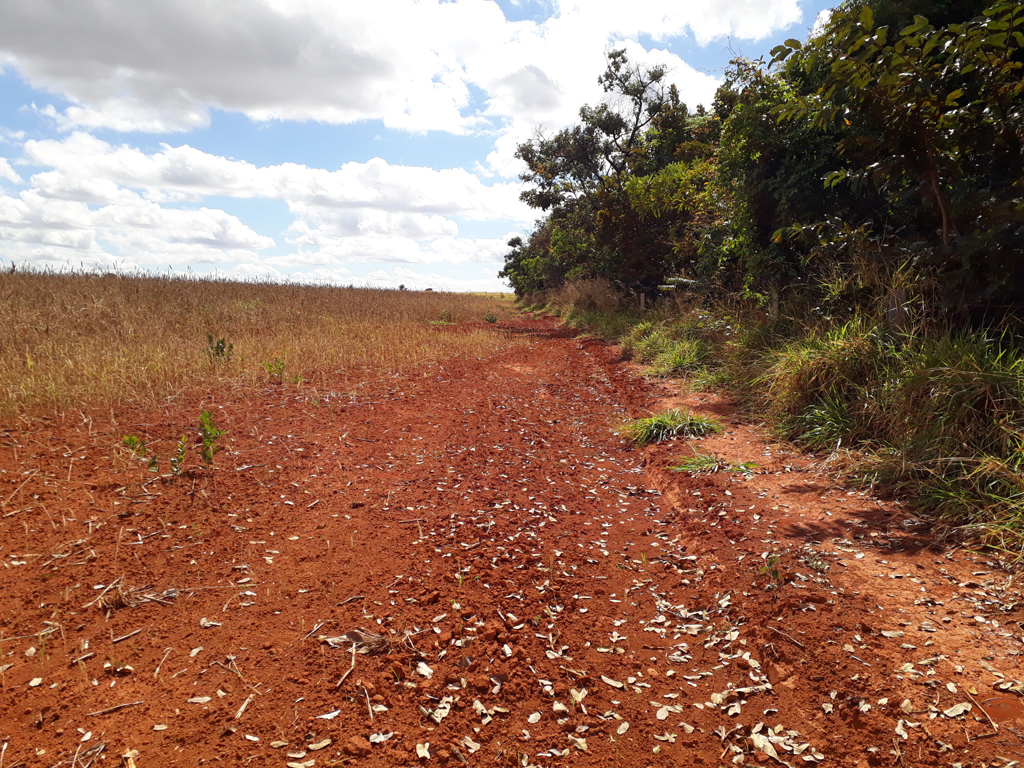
(77, 340)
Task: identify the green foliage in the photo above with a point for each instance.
(707, 463)
(137, 446)
(274, 369)
(177, 461)
(445, 317)
(929, 120)
(490, 317)
(671, 423)
(218, 351)
(210, 434)
(772, 568)
(857, 205)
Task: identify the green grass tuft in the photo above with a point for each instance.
(706, 463)
(671, 423)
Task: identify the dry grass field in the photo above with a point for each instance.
(67, 340)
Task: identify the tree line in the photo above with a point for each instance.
(880, 160)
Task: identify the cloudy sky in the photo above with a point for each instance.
(366, 143)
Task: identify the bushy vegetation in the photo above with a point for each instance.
(837, 239)
(884, 145)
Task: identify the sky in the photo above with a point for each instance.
(320, 141)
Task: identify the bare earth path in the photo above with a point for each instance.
(494, 578)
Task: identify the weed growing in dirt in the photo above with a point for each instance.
(210, 434)
(706, 463)
(138, 449)
(178, 459)
(671, 423)
(491, 318)
(274, 369)
(219, 351)
(772, 568)
(815, 563)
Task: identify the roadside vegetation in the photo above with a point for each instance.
(835, 240)
(72, 340)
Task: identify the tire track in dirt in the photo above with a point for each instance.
(519, 588)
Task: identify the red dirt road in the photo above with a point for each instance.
(515, 585)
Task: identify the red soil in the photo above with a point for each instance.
(511, 552)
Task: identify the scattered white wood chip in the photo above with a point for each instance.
(623, 727)
(901, 731)
(380, 738)
(442, 709)
(35, 682)
(888, 633)
(906, 706)
(534, 718)
(423, 751)
(306, 764)
(957, 709)
(580, 744)
(951, 687)
(669, 737)
(195, 652)
(86, 736)
(278, 744)
(469, 744)
(250, 737)
(827, 707)
(205, 623)
(329, 715)
(159, 727)
(612, 683)
(662, 713)
(423, 670)
(298, 755)
(199, 700)
(559, 708)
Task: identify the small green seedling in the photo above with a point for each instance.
(210, 434)
(274, 369)
(772, 568)
(137, 446)
(814, 561)
(178, 459)
(490, 317)
(218, 351)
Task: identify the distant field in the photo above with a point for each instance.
(70, 340)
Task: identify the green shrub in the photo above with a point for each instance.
(218, 351)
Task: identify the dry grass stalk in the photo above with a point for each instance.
(370, 642)
(77, 340)
(118, 596)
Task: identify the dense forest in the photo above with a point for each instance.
(838, 238)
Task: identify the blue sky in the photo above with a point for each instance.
(367, 144)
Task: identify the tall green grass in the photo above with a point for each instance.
(933, 415)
